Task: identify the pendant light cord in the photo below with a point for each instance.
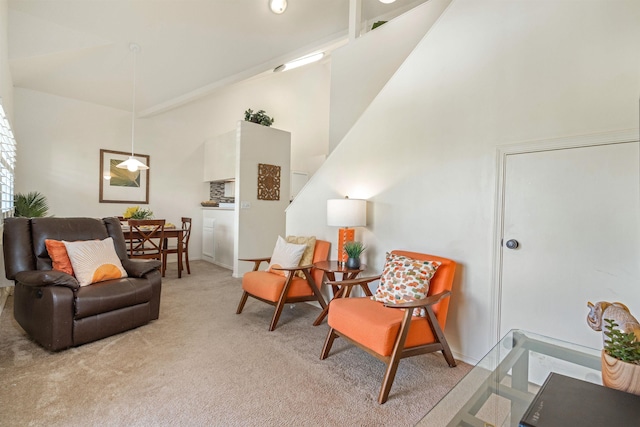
(135, 48)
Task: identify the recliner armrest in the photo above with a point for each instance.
(36, 278)
(140, 267)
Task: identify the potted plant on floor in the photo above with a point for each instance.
(621, 359)
(354, 250)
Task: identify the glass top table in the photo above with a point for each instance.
(499, 389)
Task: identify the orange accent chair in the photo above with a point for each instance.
(279, 290)
(390, 332)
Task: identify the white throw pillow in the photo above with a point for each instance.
(94, 261)
(285, 255)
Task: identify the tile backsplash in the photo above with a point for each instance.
(216, 192)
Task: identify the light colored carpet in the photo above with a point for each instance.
(201, 364)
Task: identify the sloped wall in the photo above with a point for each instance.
(490, 72)
(361, 68)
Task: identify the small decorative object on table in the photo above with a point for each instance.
(259, 117)
(354, 249)
(621, 353)
(134, 212)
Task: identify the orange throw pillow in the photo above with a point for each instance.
(59, 257)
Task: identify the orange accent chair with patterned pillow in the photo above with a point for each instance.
(390, 331)
(280, 285)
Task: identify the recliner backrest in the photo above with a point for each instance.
(23, 239)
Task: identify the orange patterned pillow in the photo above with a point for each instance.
(59, 257)
(405, 279)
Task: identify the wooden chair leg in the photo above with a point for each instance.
(387, 382)
(328, 343)
(437, 332)
(281, 301)
(243, 300)
(186, 260)
(395, 357)
(276, 314)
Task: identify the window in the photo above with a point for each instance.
(7, 164)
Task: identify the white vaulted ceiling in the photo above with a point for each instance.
(80, 48)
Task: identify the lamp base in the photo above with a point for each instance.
(344, 235)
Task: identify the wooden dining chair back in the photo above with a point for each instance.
(146, 237)
(391, 332)
(278, 290)
(186, 235)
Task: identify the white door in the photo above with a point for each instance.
(574, 213)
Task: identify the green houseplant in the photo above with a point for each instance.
(259, 117)
(31, 205)
(354, 249)
(620, 359)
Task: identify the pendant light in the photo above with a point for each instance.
(132, 164)
(278, 6)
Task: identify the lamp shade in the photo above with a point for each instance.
(132, 164)
(346, 212)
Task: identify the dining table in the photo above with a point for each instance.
(170, 232)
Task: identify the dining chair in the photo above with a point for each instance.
(146, 237)
(392, 331)
(173, 249)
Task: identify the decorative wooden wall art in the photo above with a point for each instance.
(268, 182)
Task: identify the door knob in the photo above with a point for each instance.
(512, 244)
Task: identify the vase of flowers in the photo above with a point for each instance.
(134, 212)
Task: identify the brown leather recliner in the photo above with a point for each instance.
(52, 307)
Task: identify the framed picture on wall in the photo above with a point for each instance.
(121, 185)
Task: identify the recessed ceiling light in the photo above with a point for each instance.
(300, 62)
(279, 6)
(387, 1)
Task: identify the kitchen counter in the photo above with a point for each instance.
(216, 208)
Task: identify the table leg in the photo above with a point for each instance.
(180, 234)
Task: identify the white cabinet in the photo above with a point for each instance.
(207, 236)
(218, 236)
(220, 157)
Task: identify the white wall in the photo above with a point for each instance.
(6, 83)
(259, 225)
(59, 141)
(6, 94)
(489, 72)
(361, 68)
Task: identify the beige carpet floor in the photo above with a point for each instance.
(201, 364)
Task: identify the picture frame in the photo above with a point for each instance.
(121, 185)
